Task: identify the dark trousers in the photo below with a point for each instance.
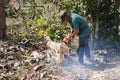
(83, 49)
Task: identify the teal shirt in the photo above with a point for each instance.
(78, 22)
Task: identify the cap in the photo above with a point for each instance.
(63, 14)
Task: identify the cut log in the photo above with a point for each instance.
(60, 47)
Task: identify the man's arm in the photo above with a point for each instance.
(69, 25)
(73, 34)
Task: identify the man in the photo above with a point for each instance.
(78, 26)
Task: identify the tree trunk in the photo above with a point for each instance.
(2, 21)
(60, 47)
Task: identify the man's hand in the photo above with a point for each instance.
(67, 39)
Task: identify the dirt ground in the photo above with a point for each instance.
(18, 62)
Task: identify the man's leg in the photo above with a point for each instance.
(87, 53)
(87, 50)
(80, 51)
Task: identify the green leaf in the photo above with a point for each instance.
(42, 21)
(40, 33)
(23, 35)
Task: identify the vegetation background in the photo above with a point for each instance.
(35, 15)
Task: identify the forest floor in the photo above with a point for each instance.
(35, 61)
